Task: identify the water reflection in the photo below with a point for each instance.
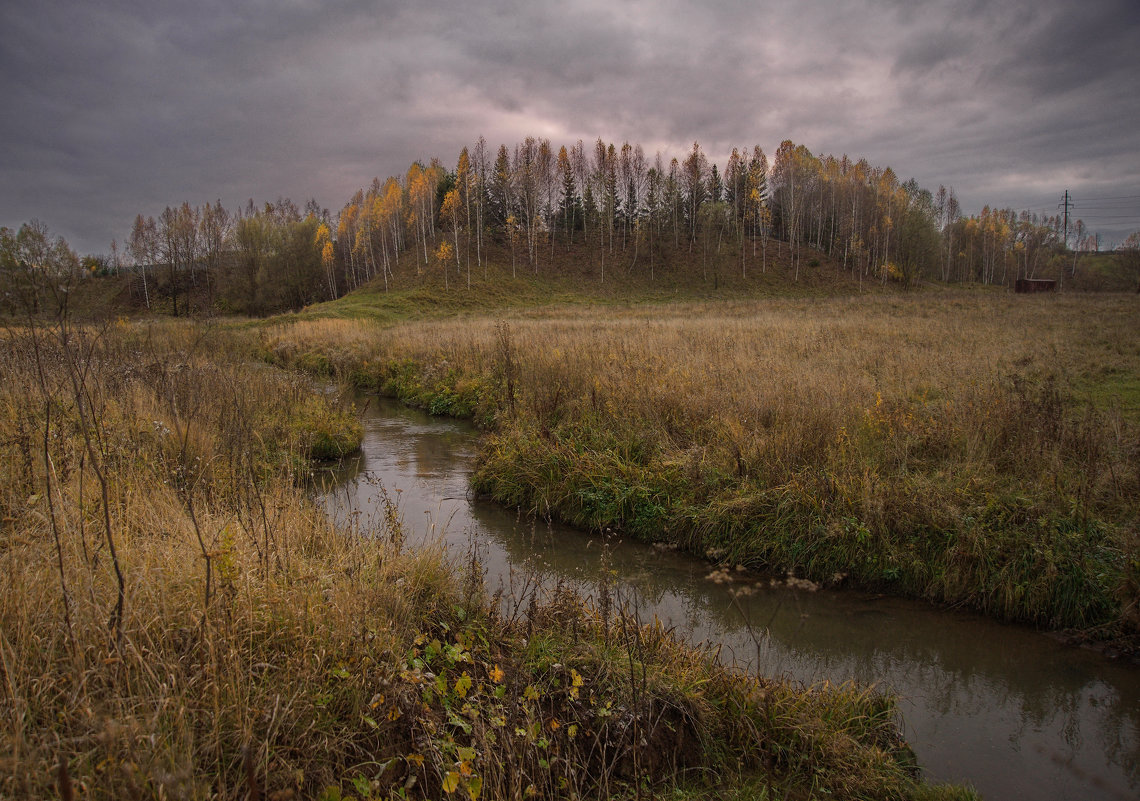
(1000, 707)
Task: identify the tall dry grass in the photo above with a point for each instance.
(169, 595)
(977, 449)
(179, 620)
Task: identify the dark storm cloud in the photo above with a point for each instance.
(1070, 49)
(116, 108)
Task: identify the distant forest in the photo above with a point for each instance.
(609, 206)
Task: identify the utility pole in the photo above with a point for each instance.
(1068, 201)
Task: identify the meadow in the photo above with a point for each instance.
(972, 448)
(180, 619)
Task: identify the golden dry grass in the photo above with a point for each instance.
(179, 620)
(733, 358)
(945, 444)
(230, 576)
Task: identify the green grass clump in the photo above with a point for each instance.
(439, 390)
(326, 432)
(1011, 555)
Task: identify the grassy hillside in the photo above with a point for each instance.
(564, 275)
(578, 276)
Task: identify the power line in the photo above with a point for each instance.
(1116, 197)
(1042, 205)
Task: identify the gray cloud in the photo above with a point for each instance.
(116, 108)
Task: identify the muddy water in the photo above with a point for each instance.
(1007, 710)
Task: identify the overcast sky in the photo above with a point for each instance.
(117, 107)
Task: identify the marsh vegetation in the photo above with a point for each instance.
(180, 620)
(973, 450)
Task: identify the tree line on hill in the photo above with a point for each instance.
(612, 206)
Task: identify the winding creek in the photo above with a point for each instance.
(1003, 708)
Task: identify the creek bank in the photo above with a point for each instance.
(1002, 555)
(1056, 572)
(984, 703)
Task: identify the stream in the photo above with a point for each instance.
(1010, 711)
